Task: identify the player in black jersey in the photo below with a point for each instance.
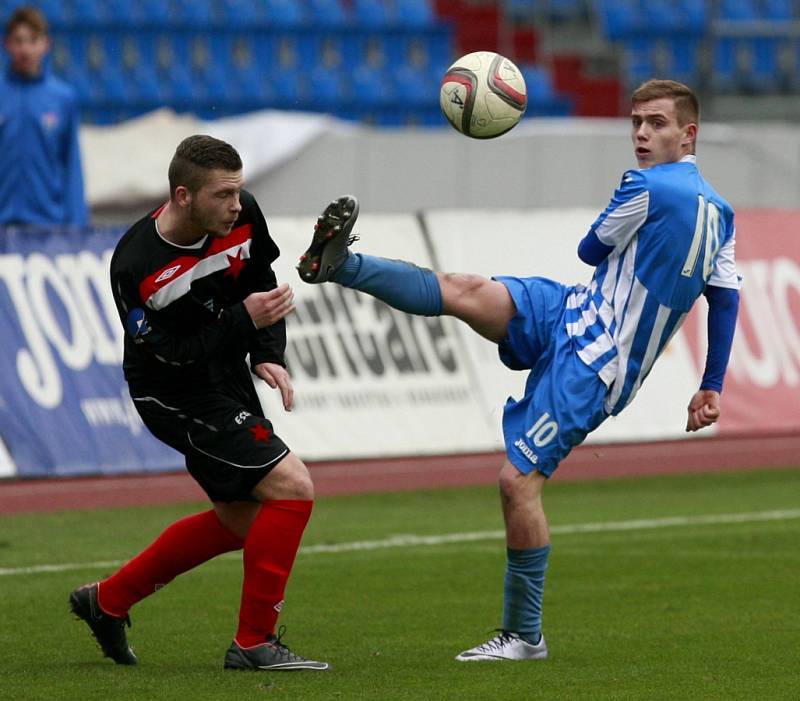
(196, 294)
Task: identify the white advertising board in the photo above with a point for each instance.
(371, 381)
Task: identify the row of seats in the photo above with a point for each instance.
(729, 46)
(237, 13)
(384, 77)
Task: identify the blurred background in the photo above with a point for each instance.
(379, 61)
(325, 97)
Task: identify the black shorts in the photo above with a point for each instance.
(228, 443)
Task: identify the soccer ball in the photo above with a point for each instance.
(483, 95)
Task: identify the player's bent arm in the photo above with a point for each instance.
(723, 306)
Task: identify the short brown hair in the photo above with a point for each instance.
(195, 156)
(687, 106)
(30, 16)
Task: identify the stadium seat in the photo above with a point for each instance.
(662, 17)
(684, 61)
(738, 10)
(372, 13)
(372, 86)
(639, 59)
(240, 13)
(284, 13)
(415, 86)
(193, 13)
(330, 13)
(695, 15)
(328, 89)
(779, 10)
(619, 19)
(414, 13)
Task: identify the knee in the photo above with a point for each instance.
(509, 485)
(462, 286)
(301, 486)
(289, 479)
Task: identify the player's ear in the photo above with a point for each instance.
(183, 196)
(690, 135)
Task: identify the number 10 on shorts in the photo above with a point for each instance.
(543, 431)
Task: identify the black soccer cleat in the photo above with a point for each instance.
(328, 249)
(109, 631)
(272, 656)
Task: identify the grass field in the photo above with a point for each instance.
(704, 606)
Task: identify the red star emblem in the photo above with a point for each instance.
(260, 433)
(235, 264)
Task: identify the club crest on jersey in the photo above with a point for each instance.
(168, 273)
(137, 325)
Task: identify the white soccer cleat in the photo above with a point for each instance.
(505, 646)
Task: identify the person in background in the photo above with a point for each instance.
(41, 182)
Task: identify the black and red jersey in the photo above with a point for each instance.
(186, 328)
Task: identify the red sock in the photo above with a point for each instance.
(184, 545)
(269, 552)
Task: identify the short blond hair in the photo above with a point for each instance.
(687, 106)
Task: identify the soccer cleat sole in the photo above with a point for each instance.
(331, 235)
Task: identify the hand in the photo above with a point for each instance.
(276, 376)
(266, 308)
(703, 409)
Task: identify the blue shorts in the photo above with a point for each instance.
(564, 398)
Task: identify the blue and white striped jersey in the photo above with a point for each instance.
(670, 234)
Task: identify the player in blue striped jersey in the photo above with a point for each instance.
(665, 238)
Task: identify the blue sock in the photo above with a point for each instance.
(523, 592)
(401, 285)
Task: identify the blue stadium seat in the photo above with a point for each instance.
(414, 13)
(284, 13)
(662, 17)
(695, 15)
(639, 58)
(684, 59)
(738, 10)
(193, 13)
(619, 19)
(331, 13)
(372, 86)
(240, 13)
(372, 13)
(289, 87)
(415, 86)
(328, 88)
(780, 10)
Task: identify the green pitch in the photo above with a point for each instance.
(638, 605)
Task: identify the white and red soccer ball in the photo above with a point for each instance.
(483, 95)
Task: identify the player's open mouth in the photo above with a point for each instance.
(642, 151)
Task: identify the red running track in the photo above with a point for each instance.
(394, 474)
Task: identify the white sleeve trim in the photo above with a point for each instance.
(622, 223)
(724, 273)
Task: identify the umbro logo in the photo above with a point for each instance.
(168, 273)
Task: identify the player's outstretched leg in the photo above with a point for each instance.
(401, 285)
(109, 631)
